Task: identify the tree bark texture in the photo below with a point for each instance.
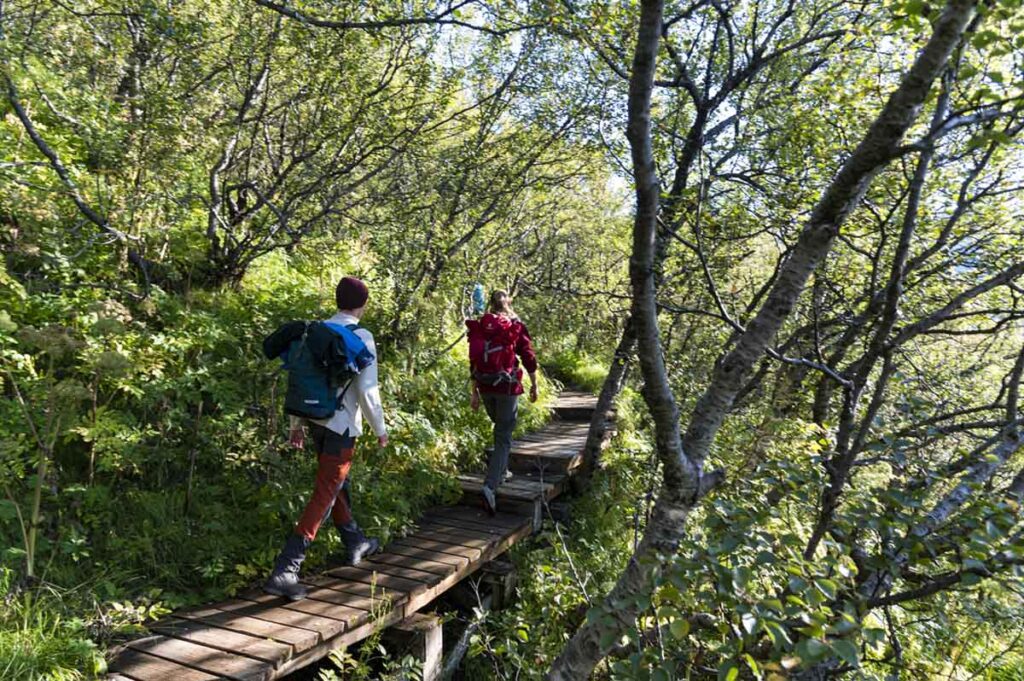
(602, 414)
(590, 644)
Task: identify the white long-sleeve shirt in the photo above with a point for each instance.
(362, 396)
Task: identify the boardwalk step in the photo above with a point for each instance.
(575, 406)
(209, 660)
(262, 649)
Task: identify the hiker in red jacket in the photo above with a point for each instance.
(497, 341)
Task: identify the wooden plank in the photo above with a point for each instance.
(377, 576)
(543, 450)
(481, 540)
(140, 666)
(299, 639)
(473, 487)
(357, 594)
(434, 544)
(222, 639)
(437, 527)
(550, 442)
(555, 439)
(324, 626)
(424, 576)
(420, 563)
(477, 515)
(311, 607)
(430, 554)
(346, 639)
(454, 521)
(417, 601)
(550, 466)
(531, 483)
(209, 660)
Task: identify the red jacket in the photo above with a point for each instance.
(496, 329)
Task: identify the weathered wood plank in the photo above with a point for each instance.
(389, 567)
(376, 596)
(417, 601)
(346, 639)
(378, 577)
(448, 528)
(419, 563)
(139, 666)
(324, 626)
(442, 533)
(351, 616)
(244, 644)
(476, 515)
(203, 658)
(432, 543)
(473, 525)
(431, 554)
(300, 639)
(473, 487)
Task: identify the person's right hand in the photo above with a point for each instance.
(296, 437)
(382, 440)
(474, 401)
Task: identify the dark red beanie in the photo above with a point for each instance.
(351, 294)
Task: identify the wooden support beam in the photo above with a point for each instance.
(500, 579)
(419, 635)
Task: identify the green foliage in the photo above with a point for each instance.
(580, 369)
(39, 641)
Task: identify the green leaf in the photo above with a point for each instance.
(728, 671)
(846, 651)
(777, 633)
(679, 628)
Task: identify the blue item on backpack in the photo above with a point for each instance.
(479, 304)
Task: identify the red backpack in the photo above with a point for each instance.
(492, 349)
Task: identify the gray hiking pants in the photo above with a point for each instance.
(503, 410)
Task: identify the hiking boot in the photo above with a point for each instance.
(508, 475)
(355, 554)
(357, 544)
(490, 503)
(284, 580)
(285, 584)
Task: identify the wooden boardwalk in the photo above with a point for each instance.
(257, 637)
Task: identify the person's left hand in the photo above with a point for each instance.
(533, 392)
(297, 437)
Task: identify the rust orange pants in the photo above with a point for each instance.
(330, 490)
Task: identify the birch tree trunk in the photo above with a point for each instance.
(682, 458)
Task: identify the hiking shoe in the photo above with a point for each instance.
(285, 584)
(368, 546)
(508, 475)
(490, 503)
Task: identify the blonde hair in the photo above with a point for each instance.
(501, 303)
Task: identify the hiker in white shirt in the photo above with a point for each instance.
(334, 439)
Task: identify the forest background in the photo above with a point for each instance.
(803, 218)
